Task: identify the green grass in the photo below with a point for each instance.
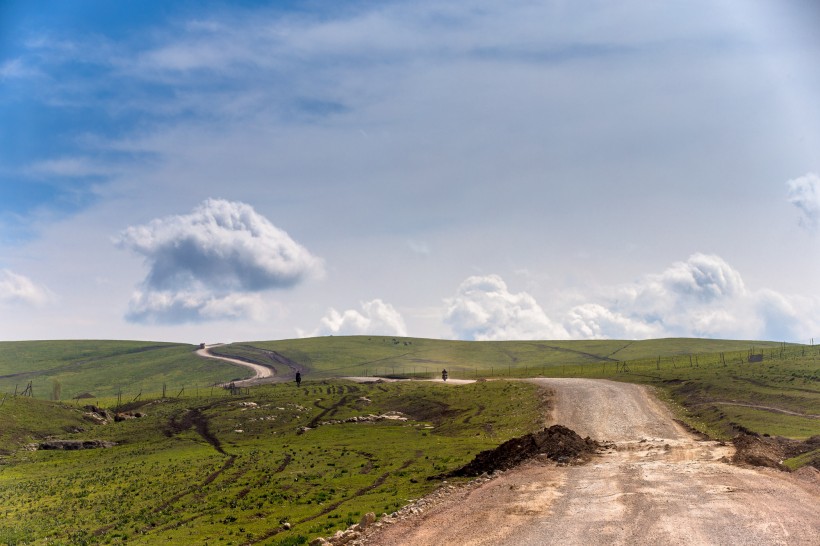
(205, 467)
(104, 368)
(704, 380)
(811, 457)
(417, 357)
(24, 420)
(707, 379)
(234, 479)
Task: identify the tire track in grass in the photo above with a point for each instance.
(330, 508)
(759, 407)
(327, 411)
(242, 494)
(190, 418)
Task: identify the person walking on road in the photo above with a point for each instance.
(444, 375)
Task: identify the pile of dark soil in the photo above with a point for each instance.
(556, 442)
(70, 445)
(769, 451)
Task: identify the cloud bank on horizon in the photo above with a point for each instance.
(474, 170)
(701, 297)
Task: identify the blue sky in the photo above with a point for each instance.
(215, 171)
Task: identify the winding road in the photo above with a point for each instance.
(656, 485)
(261, 372)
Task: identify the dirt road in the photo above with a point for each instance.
(659, 485)
(262, 372)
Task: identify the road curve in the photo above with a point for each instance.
(261, 372)
(658, 485)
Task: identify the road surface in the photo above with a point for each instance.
(659, 485)
(261, 372)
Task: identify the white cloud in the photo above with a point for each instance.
(203, 264)
(594, 321)
(376, 317)
(701, 297)
(804, 193)
(16, 68)
(69, 167)
(18, 289)
(419, 247)
(484, 309)
(166, 307)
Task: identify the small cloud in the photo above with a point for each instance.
(15, 69)
(376, 317)
(484, 309)
(18, 289)
(419, 247)
(804, 193)
(69, 167)
(203, 265)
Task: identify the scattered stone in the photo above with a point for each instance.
(97, 415)
(126, 415)
(367, 520)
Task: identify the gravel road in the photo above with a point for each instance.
(262, 372)
(657, 485)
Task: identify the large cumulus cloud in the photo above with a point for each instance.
(376, 317)
(19, 289)
(484, 309)
(703, 296)
(213, 263)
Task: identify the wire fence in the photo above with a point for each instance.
(48, 389)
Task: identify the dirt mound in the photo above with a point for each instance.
(556, 442)
(770, 451)
(70, 445)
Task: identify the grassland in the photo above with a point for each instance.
(418, 357)
(104, 368)
(232, 469)
(205, 467)
(712, 384)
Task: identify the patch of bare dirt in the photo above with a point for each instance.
(557, 443)
(771, 451)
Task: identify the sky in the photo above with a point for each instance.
(209, 171)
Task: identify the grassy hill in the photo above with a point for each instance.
(416, 357)
(712, 382)
(65, 369)
(717, 386)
